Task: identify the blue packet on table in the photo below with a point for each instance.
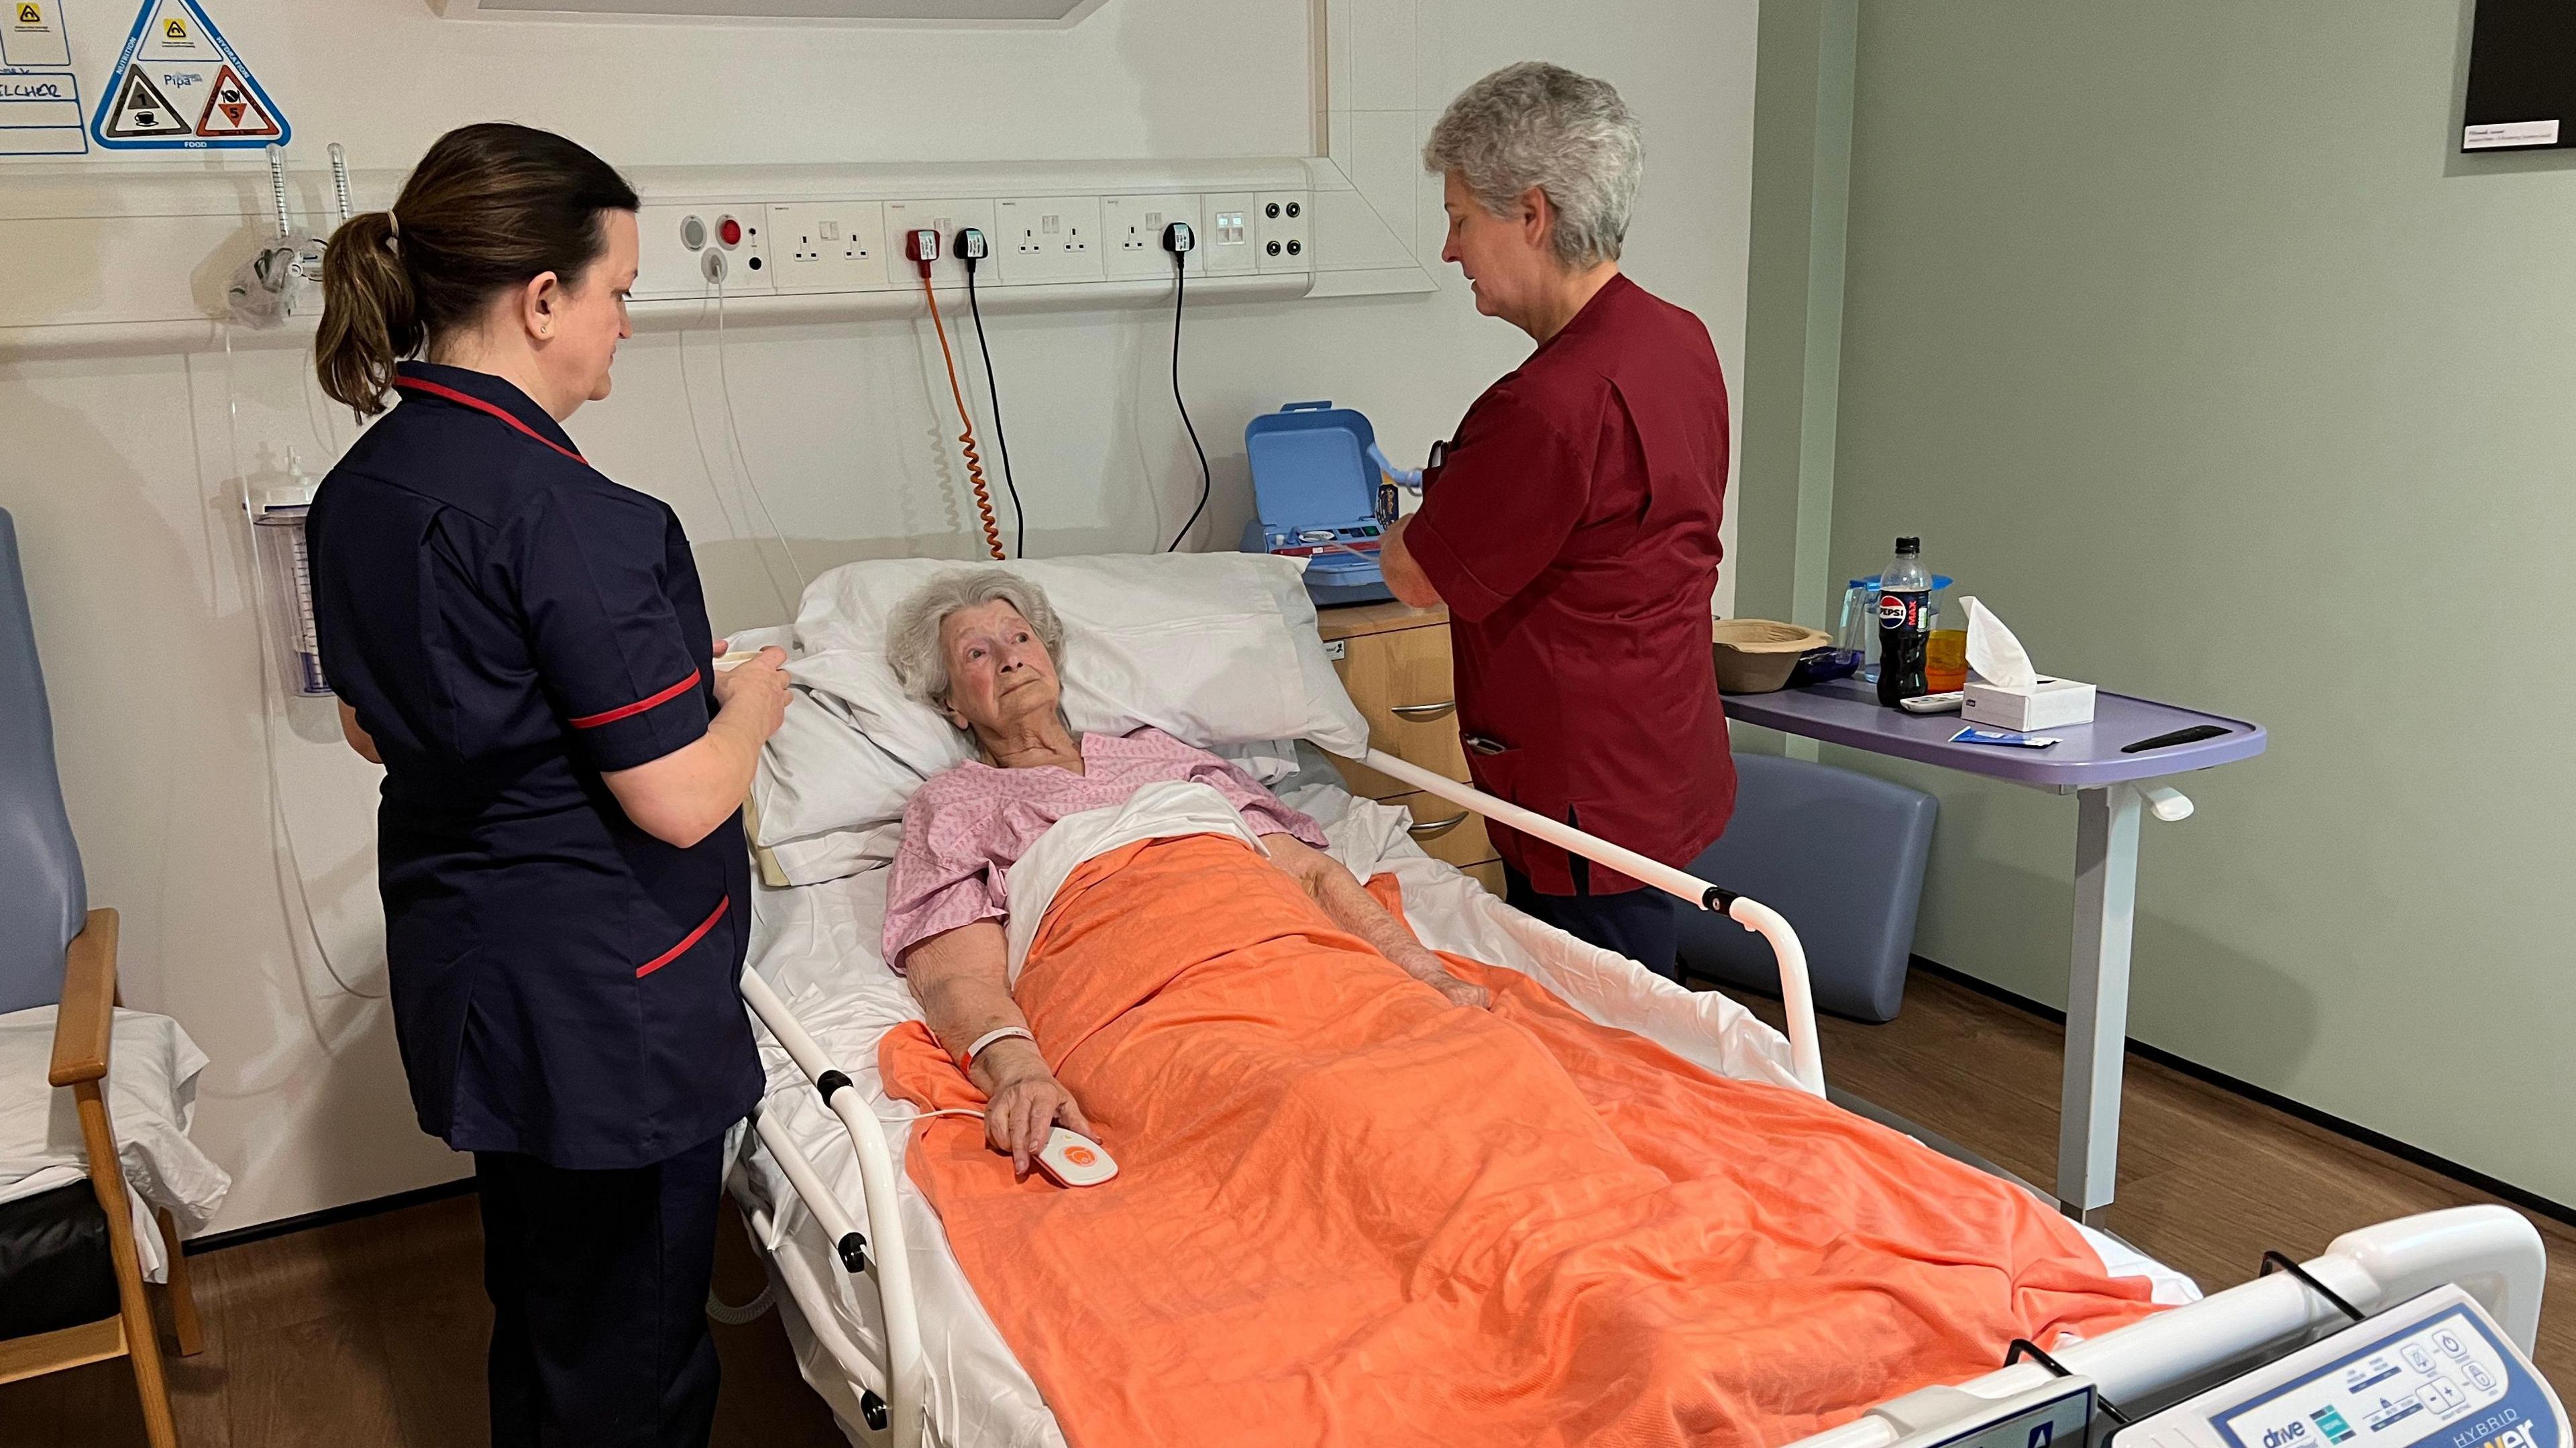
(2005, 737)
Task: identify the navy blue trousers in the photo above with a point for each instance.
(1638, 924)
(598, 1281)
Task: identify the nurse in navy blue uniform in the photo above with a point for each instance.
(523, 644)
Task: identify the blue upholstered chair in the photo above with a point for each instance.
(71, 1281)
(1841, 855)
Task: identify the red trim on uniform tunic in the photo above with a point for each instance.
(693, 937)
(624, 711)
(434, 389)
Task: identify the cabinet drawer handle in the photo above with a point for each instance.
(1418, 713)
(1434, 829)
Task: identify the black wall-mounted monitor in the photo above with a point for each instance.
(2522, 77)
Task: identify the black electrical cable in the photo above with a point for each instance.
(1207, 480)
(993, 391)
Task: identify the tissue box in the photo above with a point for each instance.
(2046, 704)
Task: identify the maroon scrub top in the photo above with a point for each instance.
(1572, 531)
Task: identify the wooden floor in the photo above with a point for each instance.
(2208, 1179)
(372, 1332)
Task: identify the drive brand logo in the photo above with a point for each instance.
(2293, 1432)
(2519, 1436)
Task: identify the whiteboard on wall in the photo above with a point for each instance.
(951, 11)
(1106, 80)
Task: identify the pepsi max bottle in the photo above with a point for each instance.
(1904, 624)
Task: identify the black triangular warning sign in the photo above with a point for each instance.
(31, 15)
(231, 110)
(141, 110)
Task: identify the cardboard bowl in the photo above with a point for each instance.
(1757, 655)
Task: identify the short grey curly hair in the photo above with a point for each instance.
(1536, 124)
(912, 637)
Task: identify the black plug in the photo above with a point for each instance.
(971, 247)
(1180, 239)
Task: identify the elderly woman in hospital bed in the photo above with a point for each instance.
(982, 647)
(1350, 1205)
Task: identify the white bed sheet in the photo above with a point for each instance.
(818, 946)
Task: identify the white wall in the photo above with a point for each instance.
(122, 471)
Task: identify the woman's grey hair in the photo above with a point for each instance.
(912, 638)
(1536, 124)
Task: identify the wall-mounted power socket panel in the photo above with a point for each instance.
(1285, 231)
(823, 247)
(1131, 236)
(682, 251)
(1048, 239)
(828, 246)
(947, 218)
(1231, 237)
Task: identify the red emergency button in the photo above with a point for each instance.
(729, 231)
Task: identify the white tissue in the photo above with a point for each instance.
(1994, 653)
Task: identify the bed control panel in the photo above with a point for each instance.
(2433, 1372)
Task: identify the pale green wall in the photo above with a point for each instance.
(1793, 308)
(2182, 336)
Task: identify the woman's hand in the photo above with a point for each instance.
(1459, 992)
(759, 686)
(1425, 967)
(683, 796)
(1024, 1103)
(1353, 909)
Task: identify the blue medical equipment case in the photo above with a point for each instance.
(1314, 497)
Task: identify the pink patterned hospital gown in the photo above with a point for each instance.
(967, 826)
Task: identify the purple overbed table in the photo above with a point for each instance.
(2113, 789)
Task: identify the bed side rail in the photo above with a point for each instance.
(886, 1262)
(1797, 998)
(2492, 1252)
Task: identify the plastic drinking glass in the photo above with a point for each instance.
(1945, 660)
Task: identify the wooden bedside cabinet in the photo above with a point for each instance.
(1394, 660)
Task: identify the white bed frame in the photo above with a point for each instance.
(2490, 1251)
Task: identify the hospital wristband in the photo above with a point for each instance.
(966, 1058)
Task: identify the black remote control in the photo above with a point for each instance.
(2192, 735)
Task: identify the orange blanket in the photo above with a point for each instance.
(1350, 1213)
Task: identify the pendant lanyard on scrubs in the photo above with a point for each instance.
(414, 384)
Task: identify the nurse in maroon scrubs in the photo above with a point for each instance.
(1572, 528)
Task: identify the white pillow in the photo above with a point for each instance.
(1216, 649)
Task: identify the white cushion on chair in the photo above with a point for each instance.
(151, 1098)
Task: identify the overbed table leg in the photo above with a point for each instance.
(2097, 999)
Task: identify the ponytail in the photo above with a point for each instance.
(370, 316)
(488, 208)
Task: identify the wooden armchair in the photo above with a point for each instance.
(83, 1031)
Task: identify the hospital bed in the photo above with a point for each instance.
(888, 1330)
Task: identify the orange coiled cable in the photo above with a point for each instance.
(966, 439)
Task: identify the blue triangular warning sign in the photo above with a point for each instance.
(179, 84)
